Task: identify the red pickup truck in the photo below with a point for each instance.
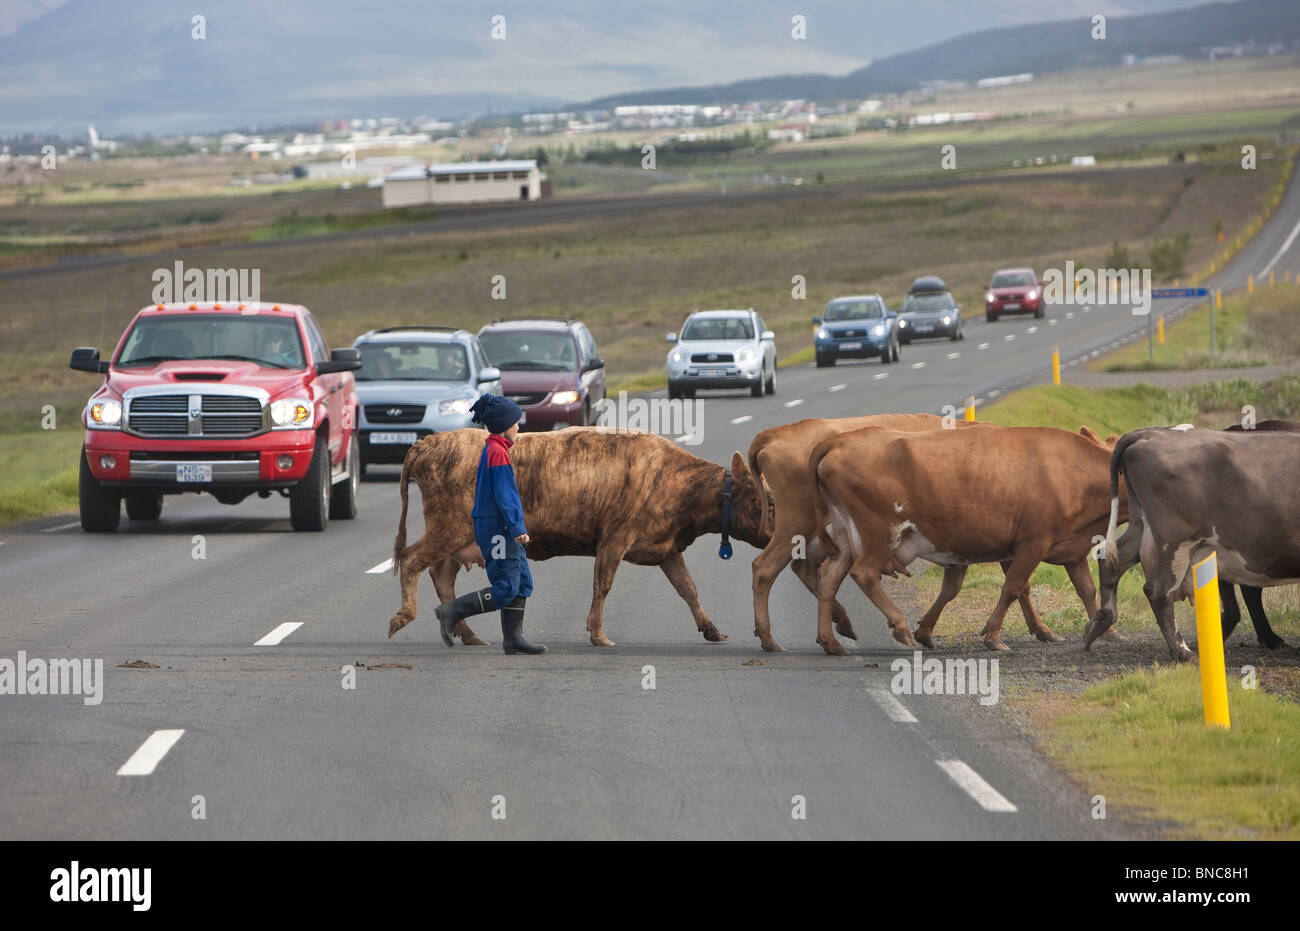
(228, 399)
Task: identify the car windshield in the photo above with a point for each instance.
(717, 329)
(269, 341)
(853, 310)
(925, 303)
(530, 349)
(1013, 280)
(413, 361)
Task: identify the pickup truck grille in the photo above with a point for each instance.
(394, 413)
(220, 415)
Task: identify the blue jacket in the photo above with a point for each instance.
(496, 497)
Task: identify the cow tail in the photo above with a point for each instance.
(1116, 468)
(765, 527)
(819, 501)
(399, 544)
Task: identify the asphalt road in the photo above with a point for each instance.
(570, 745)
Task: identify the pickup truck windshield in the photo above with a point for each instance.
(272, 343)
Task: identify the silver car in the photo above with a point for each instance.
(722, 349)
(414, 381)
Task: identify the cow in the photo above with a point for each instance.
(1193, 492)
(778, 459)
(1012, 495)
(1253, 595)
(613, 494)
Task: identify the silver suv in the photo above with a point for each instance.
(414, 381)
(722, 349)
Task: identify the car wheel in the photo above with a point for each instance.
(363, 468)
(771, 381)
(688, 393)
(887, 354)
(144, 505)
(991, 317)
(309, 500)
(101, 508)
(961, 333)
(673, 392)
(1038, 314)
(343, 496)
(586, 416)
(756, 389)
(905, 340)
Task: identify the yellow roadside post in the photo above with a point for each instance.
(1209, 642)
(1250, 284)
(1056, 365)
(1160, 330)
(1270, 277)
(1218, 299)
(970, 408)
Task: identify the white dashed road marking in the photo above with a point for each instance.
(973, 784)
(954, 355)
(382, 567)
(1052, 322)
(795, 403)
(837, 387)
(278, 634)
(880, 375)
(1032, 330)
(1070, 315)
(744, 419)
(1009, 337)
(75, 523)
(150, 754)
(892, 707)
(982, 346)
(918, 365)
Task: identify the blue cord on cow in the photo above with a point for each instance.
(728, 511)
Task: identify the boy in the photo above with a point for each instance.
(499, 530)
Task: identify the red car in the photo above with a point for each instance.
(229, 399)
(1014, 291)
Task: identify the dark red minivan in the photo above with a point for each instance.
(549, 367)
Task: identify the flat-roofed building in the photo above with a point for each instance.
(463, 183)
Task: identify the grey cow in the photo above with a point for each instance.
(1192, 492)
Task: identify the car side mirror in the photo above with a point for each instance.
(672, 337)
(767, 336)
(595, 362)
(86, 359)
(488, 373)
(817, 320)
(340, 360)
(1042, 284)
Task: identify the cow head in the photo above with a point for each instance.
(749, 502)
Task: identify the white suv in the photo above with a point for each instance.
(722, 349)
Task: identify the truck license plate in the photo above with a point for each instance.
(194, 472)
(391, 439)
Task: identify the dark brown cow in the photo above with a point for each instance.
(612, 494)
(778, 458)
(1012, 495)
(1193, 492)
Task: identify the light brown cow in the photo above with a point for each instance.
(595, 491)
(1012, 495)
(779, 460)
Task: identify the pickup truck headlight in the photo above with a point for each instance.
(455, 406)
(564, 398)
(105, 413)
(292, 414)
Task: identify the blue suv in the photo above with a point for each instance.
(859, 327)
(414, 381)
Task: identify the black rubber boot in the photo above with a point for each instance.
(452, 613)
(512, 624)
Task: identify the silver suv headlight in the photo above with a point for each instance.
(455, 406)
(747, 355)
(292, 414)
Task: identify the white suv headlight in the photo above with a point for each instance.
(292, 414)
(105, 413)
(747, 355)
(676, 355)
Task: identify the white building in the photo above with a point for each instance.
(463, 183)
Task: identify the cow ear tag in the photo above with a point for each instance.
(725, 550)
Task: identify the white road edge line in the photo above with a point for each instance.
(973, 784)
(146, 759)
(275, 636)
(1280, 252)
(75, 523)
(382, 567)
(795, 403)
(893, 708)
(837, 387)
(746, 418)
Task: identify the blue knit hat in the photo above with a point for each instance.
(496, 413)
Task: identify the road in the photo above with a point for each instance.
(569, 745)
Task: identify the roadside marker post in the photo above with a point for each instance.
(1209, 642)
(1181, 292)
(1270, 277)
(1250, 284)
(970, 408)
(1160, 331)
(1056, 365)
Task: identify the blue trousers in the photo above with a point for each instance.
(508, 572)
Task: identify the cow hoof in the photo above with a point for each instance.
(996, 644)
(1099, 625)
(713, 635)
(904, 636)
(600, 640)
(771, 646)
(1050, 636)
(835, 648)
(925, 640)
(1114, 636)
(1276, 644)
(1182, 655)
(397, 623)
(845, 629)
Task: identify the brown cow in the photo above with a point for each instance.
(778, 458)
(1013, 495)
(594, 491)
